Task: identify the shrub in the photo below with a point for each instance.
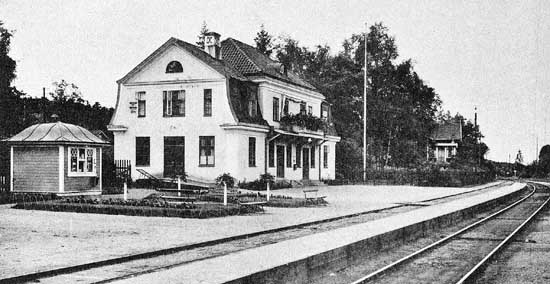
(144, 207)
(227, 178)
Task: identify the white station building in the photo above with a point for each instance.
(225, 109)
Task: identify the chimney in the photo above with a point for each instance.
(212, 44)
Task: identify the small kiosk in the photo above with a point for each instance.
(56, 158)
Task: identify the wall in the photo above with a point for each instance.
(73, 183)
(268, 90)
(196, 77)
(36, 169)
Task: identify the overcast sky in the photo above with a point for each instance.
(490, 54)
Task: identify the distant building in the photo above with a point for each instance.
(225, 109)
(55, 158)
(445, 140)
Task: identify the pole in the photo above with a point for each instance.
(179, 185)
(125, 191)
(268, 188)
(365, 110)
(224, 194)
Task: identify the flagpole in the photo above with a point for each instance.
(365, 110)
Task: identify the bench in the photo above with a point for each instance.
(179, 199)
(311, 195)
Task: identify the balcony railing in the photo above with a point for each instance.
(295, 122)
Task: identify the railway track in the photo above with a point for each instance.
(137, 264)
(462, 256)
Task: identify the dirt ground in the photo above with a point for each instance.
(32, 241)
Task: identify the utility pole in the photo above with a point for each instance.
(365, 109)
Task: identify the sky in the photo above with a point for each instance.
(493, 55)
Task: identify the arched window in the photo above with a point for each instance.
(174, 67)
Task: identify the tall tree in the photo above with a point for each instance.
(202, 33)
(263, 41)
(10, 106)
(7, 64)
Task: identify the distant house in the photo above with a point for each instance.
(225, 109)
(445, 140)
(55, 158)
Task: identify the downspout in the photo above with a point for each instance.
(321, 165)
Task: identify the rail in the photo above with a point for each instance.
(440, 242)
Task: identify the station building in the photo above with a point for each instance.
(227, 108)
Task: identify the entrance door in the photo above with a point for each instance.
(280, 161)
(174, 155)
(305, 163)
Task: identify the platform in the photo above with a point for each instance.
(297, 258)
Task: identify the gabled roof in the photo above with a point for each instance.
(449, 130)
(55, 133)
(218, 65)
(249, 61)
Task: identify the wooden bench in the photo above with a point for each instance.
(179, 199)
(311, 195)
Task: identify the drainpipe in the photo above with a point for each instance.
(320, 165)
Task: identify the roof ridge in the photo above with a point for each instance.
(81, 129)
(70, 132)
(32, 131)
(47, 132)
(232, 40)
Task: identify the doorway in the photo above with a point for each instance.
(280, 161)
(305, 163)
(174, 156)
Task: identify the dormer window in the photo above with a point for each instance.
(174, 67)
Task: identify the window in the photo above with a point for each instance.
(251, 151)
(173, 103)
(303, 107)
(207, 102)
(289, 156)
(174, 67)
(252, 107)
(140, 96)
(298, 156)
(324, 111)
(206, 151)
(82, 161)
(285, 107)
(325, 157)
(275, 109)
(271, 154)
(310, 110)
(312, 157)
(142, 151)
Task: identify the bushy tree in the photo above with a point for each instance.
(263, 41)
(401, 107)
(202, 33)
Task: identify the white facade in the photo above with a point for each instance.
(231, 137)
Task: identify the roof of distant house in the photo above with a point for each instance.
(55, 133)
(449, 130)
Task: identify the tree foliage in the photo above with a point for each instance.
(401, 108)
(202, 33)
(263, 41)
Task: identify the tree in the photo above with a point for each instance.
(10, 106)
(519, 158)
(202, 33)
(64, 91)
(544, 160)
(7, 64)
(263, 41)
